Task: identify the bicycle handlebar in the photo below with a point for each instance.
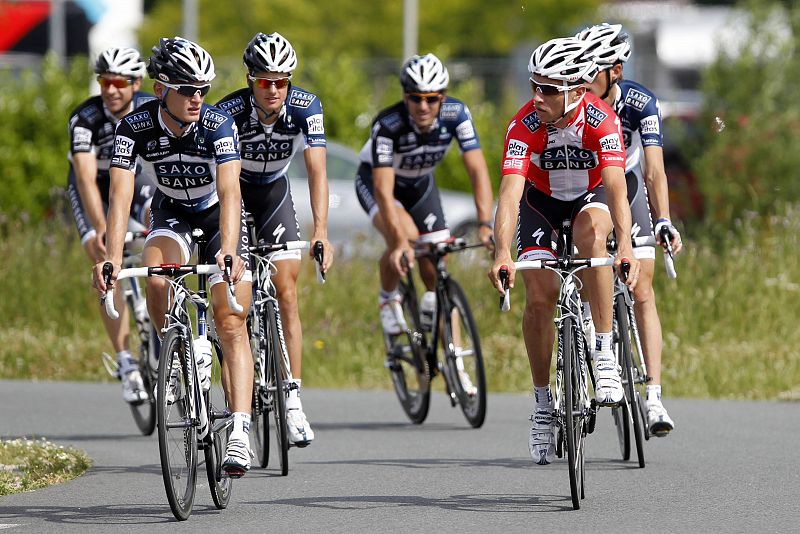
(319, 252)
(650, 241)
(167, 269)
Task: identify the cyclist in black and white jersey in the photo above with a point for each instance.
(91, 132)
(192, 150)
(640, 114)
(395, 183)
(275, 119)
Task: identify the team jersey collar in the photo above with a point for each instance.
(255, 107)
(191, 128)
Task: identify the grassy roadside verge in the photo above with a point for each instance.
(728, 321)
(27, 465)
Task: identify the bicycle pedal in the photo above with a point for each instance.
(111, 365)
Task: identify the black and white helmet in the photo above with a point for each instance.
(608, 43)
(121, 61)
(424, 74)
(178, 60)
(564, 59)
(270, 53)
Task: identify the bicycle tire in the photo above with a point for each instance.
(216, 441)
(628, 384)
(621, 413)
(407, 362)
(473, 404)
(639, 377)
(259, 415)
(573, 416)
(277, 386)
(177, 434)
(144, 413)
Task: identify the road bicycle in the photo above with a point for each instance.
(574, 410)
(272, 377)
(411, 357)
(144, 412)
(630, 416)
(189, 419)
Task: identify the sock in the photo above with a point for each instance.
(293, 401)
(603, 341)
(388, 295)
(125, 361)
(654, 393)
(543, 396)
(241, 426)
(587, 311)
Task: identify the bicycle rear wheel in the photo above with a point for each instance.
(144, 413)
(277, 375)
(259, 416)
(574, 406)
(625, 361)
(216, 442)
(177, 433)
(463, 356)
(406, 361)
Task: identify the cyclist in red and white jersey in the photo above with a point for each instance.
(91, 131)
(564, 158)
(640, 114)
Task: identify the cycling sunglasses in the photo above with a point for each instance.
(549, 89)
(119, 83)
(265, 83)
(188, 89)
(430, 98)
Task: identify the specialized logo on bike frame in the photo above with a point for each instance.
(140, 121)
(637, 99)
(183, 175)
(531, 120)
(301, 99)
(233, 106)
(450, 111)
(594, 116)
(568, 157)
(212, 120)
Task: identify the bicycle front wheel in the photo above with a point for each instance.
(463, 356)
(144, 413)
(406, 361)
(259, 416)
(216, 442)
(276, 385)
(626, 363)
(177, 433)
(574, 405)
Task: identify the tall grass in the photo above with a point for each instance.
(729, 320)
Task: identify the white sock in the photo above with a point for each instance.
(603, 340)
(241, 426)
(293, 401)
(654, 393)
(125, 361)
(389, 295)
(543, 396)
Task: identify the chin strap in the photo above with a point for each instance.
(163, 102)
(567, 107)
(609, 85)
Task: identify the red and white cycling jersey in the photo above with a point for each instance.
(564, 162)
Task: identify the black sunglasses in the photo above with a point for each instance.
(430, 98)
(189, 90)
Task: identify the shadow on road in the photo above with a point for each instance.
(142, 514)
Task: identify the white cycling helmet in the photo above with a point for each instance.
(424, 74)
(564, 59)
(121, 61)
(179, 60)
(270, 53)
(608, 44)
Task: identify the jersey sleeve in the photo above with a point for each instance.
(382, 145)
(517, 147)
(81, 133)
(312, 123)
(650, 124)
(223, 135)
(125, 147)
(465, 133)
(607, 141)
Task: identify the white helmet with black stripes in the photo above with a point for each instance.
(120, 61)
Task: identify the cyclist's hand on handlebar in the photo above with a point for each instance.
(327, 252)
(396, 259)
(237, 269)
(675, 241)
(631, 276)
(486, 236)
(99, 279)
(494, 276)
(97, 246)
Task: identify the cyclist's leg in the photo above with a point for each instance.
(590, 230)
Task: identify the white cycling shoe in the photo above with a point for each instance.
(133, 391)
(300, 433)
(237, 458)
(658, 420)
(608, 391)
(542, 439)
(392, 319)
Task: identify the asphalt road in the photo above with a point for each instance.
(728, 467)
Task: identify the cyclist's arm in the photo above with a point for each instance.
(384, 180)
(617, 197)
(315, 158)
(120, 196)
(478, 172)
(656, 180)
(85, 166)
(230, 205)
(505, 224)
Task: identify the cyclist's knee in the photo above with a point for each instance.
(156, 287)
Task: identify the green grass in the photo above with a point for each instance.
(27, 465)
(728, 321)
